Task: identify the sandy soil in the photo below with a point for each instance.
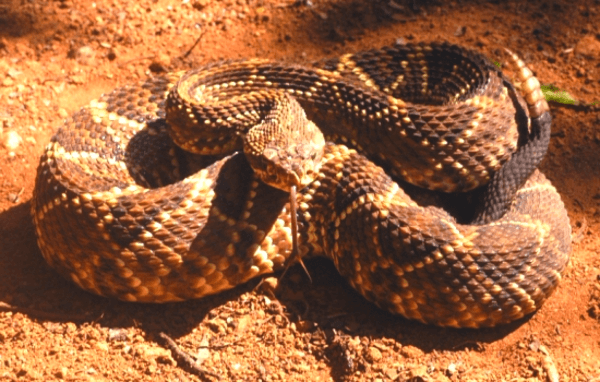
(56, 56)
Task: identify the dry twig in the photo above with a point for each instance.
(194, 45)
(188, 363)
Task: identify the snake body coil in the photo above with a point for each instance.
(124, 212)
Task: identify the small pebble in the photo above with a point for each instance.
(451, 370)
(63, 113)
(374, 354)
(160, 64)
(12, 140)
(460, 31)
(62, 373)
(85, 55)
(117, 335)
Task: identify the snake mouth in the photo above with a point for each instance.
(283, 168)
(285, 180)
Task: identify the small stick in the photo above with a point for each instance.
(195, 43)
(551, 372)
(548, 365)
(16, 198)
(186, 360)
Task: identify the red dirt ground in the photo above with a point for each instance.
(56, 56)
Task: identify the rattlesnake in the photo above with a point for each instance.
(123, 212)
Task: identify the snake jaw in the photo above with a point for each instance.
(285, 149)
(297, 166)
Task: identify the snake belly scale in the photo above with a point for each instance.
(124, 212)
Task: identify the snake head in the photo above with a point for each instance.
(285, 149)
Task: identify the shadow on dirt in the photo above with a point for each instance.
(350, 20)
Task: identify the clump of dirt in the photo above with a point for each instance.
(57, 56)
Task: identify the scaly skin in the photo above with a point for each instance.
(122, 211)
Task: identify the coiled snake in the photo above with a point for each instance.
(124, 212)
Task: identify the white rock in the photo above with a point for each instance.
(12, 140)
